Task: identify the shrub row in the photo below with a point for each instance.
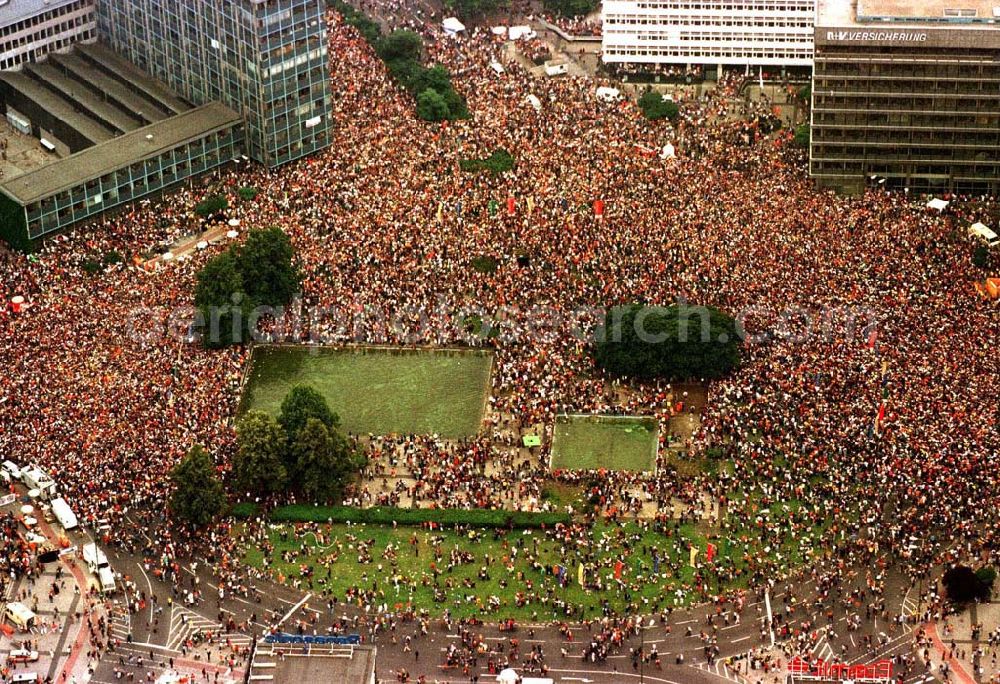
(431, 87)
(405, 516)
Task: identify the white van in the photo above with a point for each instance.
(24, 678)
(34, 477)
(11, 469)
(64, 514)
(556, 68)
(20, 615)
(982, 232)
(98, 564)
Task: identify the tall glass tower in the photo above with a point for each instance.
(266, 59)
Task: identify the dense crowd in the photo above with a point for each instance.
(868, 388)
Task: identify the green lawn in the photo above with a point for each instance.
(378, 391)
(524, 585)
(618, 443)
(409, 578)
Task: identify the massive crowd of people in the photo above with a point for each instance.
(869, 382)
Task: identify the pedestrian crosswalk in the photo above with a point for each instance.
(186, 624)
(121, 622)
(721, 670)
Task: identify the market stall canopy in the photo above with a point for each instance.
(534, 102)
(452, 25)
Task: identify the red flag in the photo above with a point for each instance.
(619, 566)
(599, 207)
(710, 552)
(510, 205)
(872, 338)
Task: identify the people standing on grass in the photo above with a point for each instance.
(862, 419)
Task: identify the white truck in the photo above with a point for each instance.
(34, 477)
(64, 514)
(98, 564)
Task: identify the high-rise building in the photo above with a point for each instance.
(31, 29)
(265, 59)
(906, 94)
(755, 33)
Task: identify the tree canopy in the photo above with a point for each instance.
(654, 107)
(300, 404)
(230, 286)
(325, 461)
(198, 495)
(679, 342)
(431, 106)
(259, 466)
(963, 584)
(802, 136)
(571, 8)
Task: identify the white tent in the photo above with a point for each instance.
(608, 94)
(497, 67)
(507, 676)
(534, 102)
(937, 203)
(515, 32)
(452, 26)
(499, 30)
(668, 152)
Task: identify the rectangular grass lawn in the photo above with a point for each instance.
(378, 391)
(610, 442)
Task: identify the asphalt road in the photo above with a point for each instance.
(160, 628)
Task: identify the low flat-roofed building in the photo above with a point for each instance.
(906, 95)
(312, 664)
(102, 134)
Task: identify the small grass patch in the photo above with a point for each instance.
(609, 442)
(378, 391)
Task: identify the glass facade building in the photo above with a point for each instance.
(265, 59)
(907, 103)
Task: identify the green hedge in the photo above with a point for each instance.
(245, 510)
(416, 516)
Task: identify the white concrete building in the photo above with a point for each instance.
(31, 29)
(751, 33)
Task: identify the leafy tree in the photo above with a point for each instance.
(805, 93)
(266, 263)
(247, 193)
(802, 136)
(259, 464)
(211, 205)
(402, 45)
(198, 495)
(963, 585)
(431, 106)
(677, 343)
(654, 107)
(571, 8)
(325, 462)
(473, 9)
(499, 162)
(300, 404)
(981, 257)
(220, 298)
(986, 576)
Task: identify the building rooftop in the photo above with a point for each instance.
(294, 664)
(124, 150)
(935, 10)
(965, 14)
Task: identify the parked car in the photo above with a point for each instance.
(22, 655)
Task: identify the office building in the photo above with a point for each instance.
(906, 94)
(31, 29)
(713, 33)
(265, 59)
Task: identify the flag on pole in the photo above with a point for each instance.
(579, 574)
(531, 204)
(710, 552)
(619, 566)
(760, 75)
(872, 337)
(694, 554)
(493, 207)
(440, 214)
